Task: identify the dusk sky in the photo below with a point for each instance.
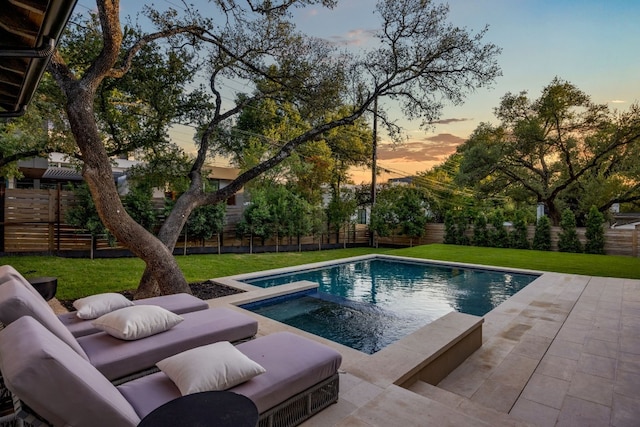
(592, 44)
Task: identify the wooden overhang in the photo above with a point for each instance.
(29, 33)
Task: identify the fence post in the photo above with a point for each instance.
(2, 197)
(634, 241)
(58, 216)
(52, 220)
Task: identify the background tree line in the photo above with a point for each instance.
(468, 227)
(560, 149)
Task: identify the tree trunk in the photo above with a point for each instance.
(554, 214)
(161, 266)
(168, 237)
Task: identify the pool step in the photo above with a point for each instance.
(464, 405)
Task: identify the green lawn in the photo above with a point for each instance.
(80, 277)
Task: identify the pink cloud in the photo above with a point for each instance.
(432, 149)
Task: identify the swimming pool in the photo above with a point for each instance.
(371, 303)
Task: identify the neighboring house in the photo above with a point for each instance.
(43, 174)
(624, 220)
(408, 180)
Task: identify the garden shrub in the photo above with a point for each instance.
(518, 236)
(568, 238)
(139, 205)
(542, 236)
(594, 232)
(499, 238)
(480, 230)
(449, 229)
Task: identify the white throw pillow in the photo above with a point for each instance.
(140, 321)
(94, 306)
(211, 367)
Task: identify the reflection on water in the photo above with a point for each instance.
(369, 304)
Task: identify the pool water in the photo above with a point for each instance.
(369, 304)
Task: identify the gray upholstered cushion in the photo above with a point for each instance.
(149, 392)
(8, 273)
(293, 364)
(56, 382)
(176, 303)
(116, 358)
(16, 301)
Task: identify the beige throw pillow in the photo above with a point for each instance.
(94, 306)
(211, 367)
(139, 321)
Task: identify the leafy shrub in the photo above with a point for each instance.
(139, 205)
(499, 238)
(594, 233)
(206, 221)
(480, 230)
(518, 236)
(83, 214)
(455, 228)
(542, 236)
(568, 238)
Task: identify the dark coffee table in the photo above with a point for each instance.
(209, 408)
(46, 286)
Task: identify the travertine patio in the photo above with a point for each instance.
(564, 351)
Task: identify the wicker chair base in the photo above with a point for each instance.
(289, 413)
(303, 406)
(20, 415)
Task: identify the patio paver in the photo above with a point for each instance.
(590, 372)
(565, 351)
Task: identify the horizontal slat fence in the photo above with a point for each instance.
(34, 221)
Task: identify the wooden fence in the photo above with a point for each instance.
(32, 221)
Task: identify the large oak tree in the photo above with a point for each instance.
(421, 62)
(560, 149)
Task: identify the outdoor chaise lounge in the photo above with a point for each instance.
(116, 358)
(300, 379)
(177, 303)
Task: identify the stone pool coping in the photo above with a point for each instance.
(428, 354)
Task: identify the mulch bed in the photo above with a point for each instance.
(203, 290)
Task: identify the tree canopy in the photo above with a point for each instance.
(122, 86)
(560, 149)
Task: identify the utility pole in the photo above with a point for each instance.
(374, 161)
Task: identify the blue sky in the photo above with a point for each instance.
(592, 44)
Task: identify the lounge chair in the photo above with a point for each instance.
(116, 358)
(177, 303)
(301, 378)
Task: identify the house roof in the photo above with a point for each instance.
(29, 33)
